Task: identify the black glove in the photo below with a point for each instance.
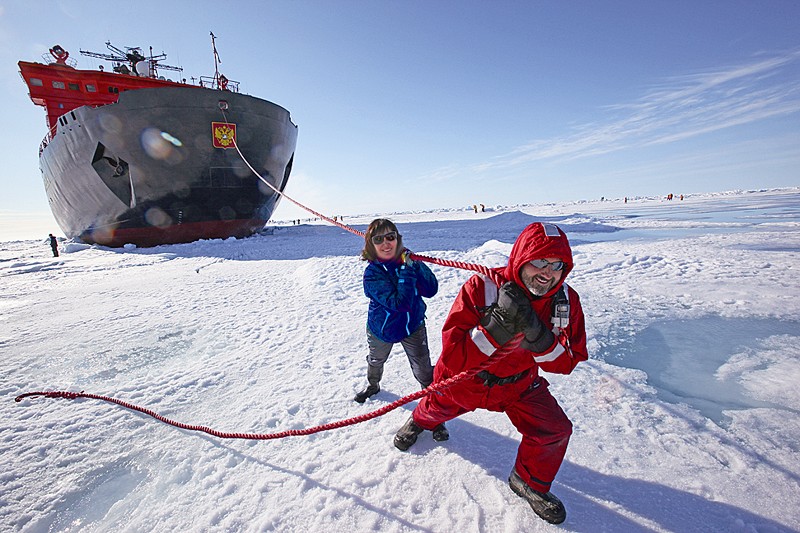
(509, 315)
(538, 338)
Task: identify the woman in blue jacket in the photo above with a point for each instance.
(395, 286)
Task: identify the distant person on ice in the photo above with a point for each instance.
(395, 286)
(484, 318)
(54, 245)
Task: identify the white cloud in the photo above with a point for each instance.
(681, 108)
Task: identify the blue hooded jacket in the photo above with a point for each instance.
(395, 292)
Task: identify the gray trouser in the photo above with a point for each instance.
(416, 347)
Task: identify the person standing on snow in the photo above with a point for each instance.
(485, 318)
(395, 286)
(54, 245)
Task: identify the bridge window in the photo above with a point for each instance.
(74, 87)
(59, 85)
(90, 87)
(113, 90)
(36, 82)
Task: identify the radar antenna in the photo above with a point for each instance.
(126, 61)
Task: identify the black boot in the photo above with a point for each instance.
(440, 433)
(371, 390)
(545, 504)
(374, 375)
(407, 435)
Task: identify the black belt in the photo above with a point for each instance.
(490, 380)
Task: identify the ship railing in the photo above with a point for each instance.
(46, 140)
(70, 61)
(210, 82)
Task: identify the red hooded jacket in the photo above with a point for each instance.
(466, 344)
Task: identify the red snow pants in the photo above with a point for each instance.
(537, 416)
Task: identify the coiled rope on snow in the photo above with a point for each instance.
(433, 388)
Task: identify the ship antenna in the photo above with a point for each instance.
(151, 63)
(217, 60)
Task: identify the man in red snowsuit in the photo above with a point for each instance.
(537, 303)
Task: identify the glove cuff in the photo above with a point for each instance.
(542, 344)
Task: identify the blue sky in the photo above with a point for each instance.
(414, 104)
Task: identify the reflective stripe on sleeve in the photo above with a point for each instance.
(551, 355)
(481, 341)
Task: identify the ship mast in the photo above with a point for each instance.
(219, 80)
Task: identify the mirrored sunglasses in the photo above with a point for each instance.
(378, 239)
(542, 263)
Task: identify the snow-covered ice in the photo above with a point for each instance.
(686, 415)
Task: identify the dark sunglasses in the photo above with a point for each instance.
(542, 263)
(378, 239)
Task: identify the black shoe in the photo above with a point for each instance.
(407, 435)
(371, 390)
(440, 433)
(546, 505)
